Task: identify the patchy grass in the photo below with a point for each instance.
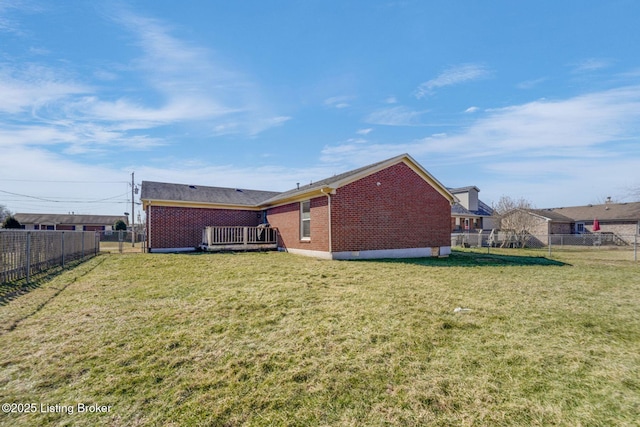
(277, 339)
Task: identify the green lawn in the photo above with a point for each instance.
(275, 339)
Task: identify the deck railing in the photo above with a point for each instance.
(237, 235)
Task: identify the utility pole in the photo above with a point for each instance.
(133, 213)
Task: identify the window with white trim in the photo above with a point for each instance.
(579, 227)
(305, 220)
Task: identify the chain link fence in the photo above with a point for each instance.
(549, 243)
(121, 241)
(26, 253)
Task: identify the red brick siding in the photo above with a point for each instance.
(287, 220)
(181, 227)
(404, 211)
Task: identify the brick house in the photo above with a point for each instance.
(618, 219)
(619, 222)
(69, 222)
(393, 208)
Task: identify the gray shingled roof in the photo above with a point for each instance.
(232, 196)
(40, 218)
(241, 197)
(550, 214)
(483, 209)
(606, 212)
(327, 182)
(198, 193)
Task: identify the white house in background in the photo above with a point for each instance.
(470, 213)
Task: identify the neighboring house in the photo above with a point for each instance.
(620, 219)
(393, 208)
(470, 213)
(70, 222)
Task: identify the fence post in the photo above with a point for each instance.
(549, 240)
(28, 255)
(245, 235)
(635, 247)
(63, 249)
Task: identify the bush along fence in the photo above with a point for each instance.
(25, 253)
(548, 242)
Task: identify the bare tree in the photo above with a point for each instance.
(514, 219)
(4, 213)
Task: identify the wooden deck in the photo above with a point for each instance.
(238, 238)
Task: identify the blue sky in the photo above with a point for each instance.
(539, 100)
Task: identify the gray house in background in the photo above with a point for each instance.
(68, 222)
(470, 213)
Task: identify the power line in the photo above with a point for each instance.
(62, 200)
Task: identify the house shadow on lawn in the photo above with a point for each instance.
(474, 259)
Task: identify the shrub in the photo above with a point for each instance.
(11, 222)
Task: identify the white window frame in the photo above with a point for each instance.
(305, 217)
(580, 228)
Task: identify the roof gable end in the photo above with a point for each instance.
(327, 185)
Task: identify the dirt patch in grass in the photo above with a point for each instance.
(276, 339)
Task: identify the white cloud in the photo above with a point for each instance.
(472, 110)
(529, 84)
(591, 64)
(32, 87)
(395, 116)
(364, 131)
(452, 76)
(572, 145)
(338, 102)
(45, 105)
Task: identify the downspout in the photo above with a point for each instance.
(329, 214)
(149, 228)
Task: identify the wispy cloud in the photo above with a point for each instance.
(452, 76)
(29, 88)
(6, 23)
(42, 105)
(395, 116)
(597, 124)
(591, 64)
(366, 131)
(530, 84)
(338, 102)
